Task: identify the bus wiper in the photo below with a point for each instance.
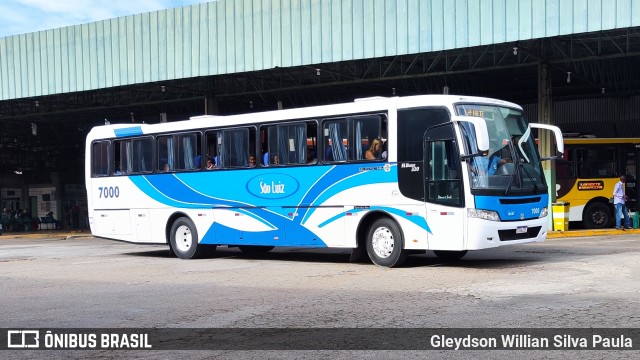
(535, 186)
(516, 160)
(506, 192)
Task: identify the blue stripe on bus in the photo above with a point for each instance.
(418, 220)
(129, 131)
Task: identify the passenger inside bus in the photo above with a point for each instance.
(252, 161)
(311, 157)
(210, 165)
(384, 150)
(374, 150)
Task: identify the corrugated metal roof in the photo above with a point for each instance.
(605, 117)
(231, 36)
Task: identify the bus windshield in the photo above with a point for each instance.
(512, 164)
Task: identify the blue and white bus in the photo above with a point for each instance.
(384, 177)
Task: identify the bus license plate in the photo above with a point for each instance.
(521, 230)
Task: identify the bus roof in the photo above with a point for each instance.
(366, 105)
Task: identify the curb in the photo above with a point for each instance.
(585, 233)
(48, 235)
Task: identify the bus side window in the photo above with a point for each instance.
(443, 181)
(100, 158)
(234, 147)
(564, 167)
(367, 142)
(211, 144)
(286, 144)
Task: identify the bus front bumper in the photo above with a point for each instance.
(485, 234)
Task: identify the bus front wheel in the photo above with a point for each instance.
(596, 216)
(385, 245)
(184, 239)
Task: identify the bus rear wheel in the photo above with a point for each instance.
(184, 239)
(450, 255)
(596, 216)
(254, 249)
(385, 245)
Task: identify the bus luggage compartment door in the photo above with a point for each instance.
(140, 218)
(112, 222)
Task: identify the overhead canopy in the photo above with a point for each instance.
(251, 55)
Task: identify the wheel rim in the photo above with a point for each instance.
(183, 238)
(382, 242)
(598, 218)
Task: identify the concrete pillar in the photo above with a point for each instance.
(211, 105)
(545, 138)
(57, 183)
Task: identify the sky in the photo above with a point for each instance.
(24, 16)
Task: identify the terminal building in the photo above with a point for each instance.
(571, 63)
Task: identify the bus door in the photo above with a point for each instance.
(632, 172)
(443, 190)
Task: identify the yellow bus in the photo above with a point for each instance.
(588, 172)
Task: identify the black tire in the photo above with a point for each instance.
(255, 249)
(596, 216)
(450, 255)
(385, 243)
(184, 239)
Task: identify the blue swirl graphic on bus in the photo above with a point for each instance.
(272, 186)
(272, 198)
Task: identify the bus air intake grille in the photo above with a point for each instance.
(520, 201)
(508, 235)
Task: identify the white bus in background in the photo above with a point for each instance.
(385, 177)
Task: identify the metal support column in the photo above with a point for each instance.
(546, 140)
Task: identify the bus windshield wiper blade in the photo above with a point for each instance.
(506, 192)
(535, 186)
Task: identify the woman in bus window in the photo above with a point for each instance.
(374, 150)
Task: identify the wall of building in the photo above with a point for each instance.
(231, 36)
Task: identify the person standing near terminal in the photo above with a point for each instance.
(619, 199)
(75, 216)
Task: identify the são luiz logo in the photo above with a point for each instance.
(272, 186)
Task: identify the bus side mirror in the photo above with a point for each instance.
(558, 137)
(481, 132)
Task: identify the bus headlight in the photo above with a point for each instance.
(544, 212)
(483, 214)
